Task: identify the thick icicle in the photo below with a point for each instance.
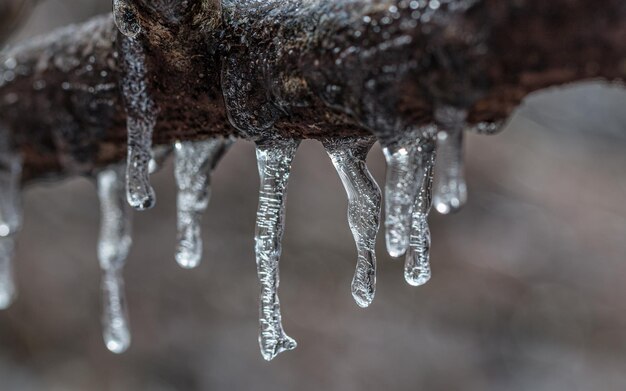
(193, 164)
(450, 187)
(364, 204)
(113, 247)
(10, 221)
(274, 162)
(141, 111)
(417, 263)
(401, 188)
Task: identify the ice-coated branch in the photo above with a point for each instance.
(305, 69)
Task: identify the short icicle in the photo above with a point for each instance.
(450, 188)
(364, 204)
(417, 264)
(141, 119)
(10, 222)
(274, 159)
(113, 247)
(401, 188)
(193, 164)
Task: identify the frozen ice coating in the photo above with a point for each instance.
(401, 188)
(125, 18)
(450, 187)
(113, 247)
(141, 111)
(364, 203)
(8, 291)
(417, 264)
(193, 164)
(274, 161)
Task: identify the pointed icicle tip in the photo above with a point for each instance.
(125, 18)
(364, 204)
(193, 164)
(113, 248)
(274, 159)
(417, 264)
(450, 187)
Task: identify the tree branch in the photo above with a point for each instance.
(297, 69)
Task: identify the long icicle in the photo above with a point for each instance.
(141, 111)
(401, 188)
(113, 247)
(193, 164)
(10, 221)
(364, 204)
(450, 188)
(417, 264)
(274, 159)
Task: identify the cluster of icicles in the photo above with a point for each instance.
(408, 202)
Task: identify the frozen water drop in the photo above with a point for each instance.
(114, 318)
(274, 159)
(364, 203)
(125, 18)
(10, 200)
(417, 264)
(113, 247)
(401, 188)
(8, 291)
(141, 118)
(450, 188)
(194, 162)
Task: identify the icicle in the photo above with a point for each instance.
(10, 221)
(113, 247)
(417, 264)
(194, 162)
(401, 188)
(141, 111)
(125, 18)
(364, 199)
(8, 291)
(274, 160)
(450, 187)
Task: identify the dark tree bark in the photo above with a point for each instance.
(296, 69)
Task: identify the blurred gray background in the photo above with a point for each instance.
(527, 289)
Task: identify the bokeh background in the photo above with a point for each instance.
(528, 287)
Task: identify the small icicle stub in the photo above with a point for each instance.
(113, 248)
(417, 264)
(141, 118)
(126, 18)
(450, 187)
(193, 164)
(364, 204)
(10, 216)
(401, 189)
(274, 159)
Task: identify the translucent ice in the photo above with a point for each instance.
(364, 203)
(193, 164)
(10, 221)
(274, 161)
(401, 189)
(450, 187)
(141, 118)
(113, 247)
(417, 264)
(125, 18)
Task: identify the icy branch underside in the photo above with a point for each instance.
(302, 69)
